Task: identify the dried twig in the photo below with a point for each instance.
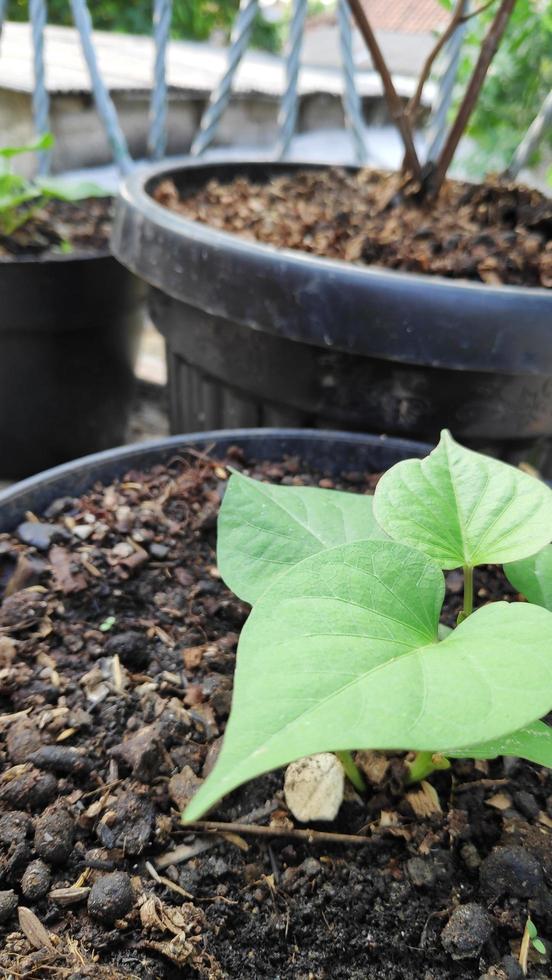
(396, 108)
(187, 851)
(471, 95)
(161, 880)
(258, 830)
(183, 853)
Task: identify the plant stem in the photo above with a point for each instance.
(425, 763)
(471, 95)
(394, 103)
(352, 771)
(468, 591)
(524, 949)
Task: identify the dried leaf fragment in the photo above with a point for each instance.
(500, 801)
(424, 801)
(34, 930)
(68, 896)
(65, 578)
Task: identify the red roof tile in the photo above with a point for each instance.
(406, 16)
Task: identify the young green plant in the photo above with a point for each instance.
(530, 938)
(343, 649)
(21, 198)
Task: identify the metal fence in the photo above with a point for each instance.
(220, 97)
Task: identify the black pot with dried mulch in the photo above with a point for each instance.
(302, 295)
(117, 646)
(71, 322)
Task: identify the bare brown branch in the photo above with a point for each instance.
(477, 11)
(471, 95)
(456, 19)
(394, 103)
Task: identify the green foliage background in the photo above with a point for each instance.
(518, 81)
(195, 19)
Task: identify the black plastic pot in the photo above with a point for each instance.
(331, 452)
(257, 335)
(69, 333)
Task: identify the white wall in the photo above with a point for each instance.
(404, 53)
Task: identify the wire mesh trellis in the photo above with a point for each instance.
(220, 97)
(104, 102)
(439, 118)
(41, 100)
(157, 139)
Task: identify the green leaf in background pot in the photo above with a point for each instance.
(45, 142)
(342, 653)
(67, 190)
(533, 742)
(263, 529)
(14, 192)
(533, 577)
(462, 508)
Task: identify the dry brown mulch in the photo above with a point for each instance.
(495, 233)
(81, 227)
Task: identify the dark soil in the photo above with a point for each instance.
(117, 645)
(61, 228)
(493, 233)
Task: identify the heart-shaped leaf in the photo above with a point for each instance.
(264, 529)
(533, 577)
(534, 742)
(342, 653)
(463, 508)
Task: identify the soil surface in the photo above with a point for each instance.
(117, 648)
(493, 233)
(61, 228)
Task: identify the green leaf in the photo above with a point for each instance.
(15, 190)
(264, 529)
(533, 742)
(533, 577)
(539, 946)
(45, 142)
(531, 929)
(342, 653)
(64, 190)
(462, 508)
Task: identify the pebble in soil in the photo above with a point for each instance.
(122, 723)
(111, 897)
(468, 929)
(8, 905)
(54, 836)
(36, 880)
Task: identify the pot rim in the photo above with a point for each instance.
(134, 191)
(86, 470)
(55, 259)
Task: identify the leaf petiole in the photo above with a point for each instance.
(468, 592)
(424, 763)
(352, 771)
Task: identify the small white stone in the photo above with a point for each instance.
(122, 550)
(83, 531)
(313, 787)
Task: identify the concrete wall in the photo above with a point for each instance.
(250, 120)
(405, 53)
